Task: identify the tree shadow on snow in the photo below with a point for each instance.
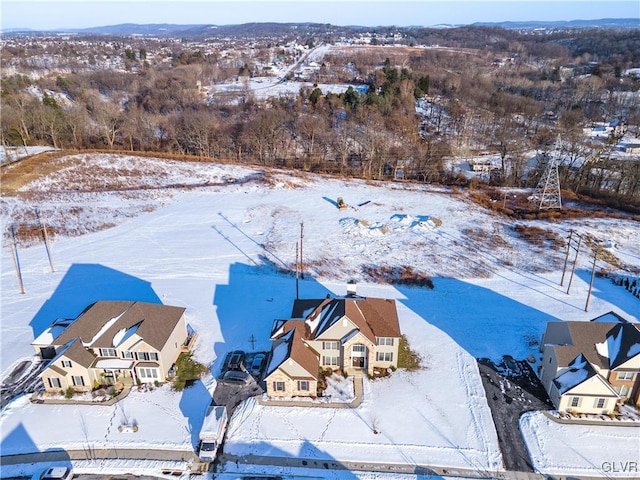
(84, 284)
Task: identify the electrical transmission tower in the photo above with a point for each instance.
(547, 192)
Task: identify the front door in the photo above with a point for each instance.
(358, 355)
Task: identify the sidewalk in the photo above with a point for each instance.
(235, 464)
(357, 391)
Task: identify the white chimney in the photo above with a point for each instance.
(351, 288)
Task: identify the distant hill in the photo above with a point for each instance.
(304, 29)
(600, 23)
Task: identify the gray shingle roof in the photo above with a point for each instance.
(100, 322)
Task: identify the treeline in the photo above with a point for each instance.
(510, 99)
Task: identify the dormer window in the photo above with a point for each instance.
(108, 352)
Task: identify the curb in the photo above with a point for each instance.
(582, 421)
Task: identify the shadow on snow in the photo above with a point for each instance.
(249, 303)
(84, 284)
(483, 322)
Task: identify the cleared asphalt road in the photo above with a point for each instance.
(512, 389)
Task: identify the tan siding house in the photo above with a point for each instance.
(112, 341)
(352, 334)
(590, 367)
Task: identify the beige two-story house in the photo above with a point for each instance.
(112, 341)
(353, 334)
(589, 367)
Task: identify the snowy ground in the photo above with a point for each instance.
(211, 246)
(545, 438)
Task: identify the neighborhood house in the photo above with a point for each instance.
(589, 367)
(112, 341)
(353, 334)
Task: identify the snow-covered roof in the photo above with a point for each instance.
(52, 332)
(579, 371)
(124, 333)
(374, 317)
(623, 343)
(280, 353)
(102, 323)
(110, 363)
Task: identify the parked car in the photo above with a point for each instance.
(237, 377)
(54, 473)
(236, 360)
(256, 365)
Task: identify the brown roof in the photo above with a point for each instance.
(153, 322)
(565, 354)
(56, 369)
(585, 335)
(76, 352)
(147, 364)
(298, 351)
(302, 354)
(380, 314)
(374, 317)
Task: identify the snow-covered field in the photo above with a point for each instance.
(214, 245)
(610, 448)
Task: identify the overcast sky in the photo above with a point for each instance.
(52, 14)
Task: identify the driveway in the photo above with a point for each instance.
(512, 388)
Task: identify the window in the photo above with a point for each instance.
(622, 390)
(303, 385)
(54, 382)
(385, 341)
(148, 373)
(358, 348)
(625, 375)
(108, 352)
(575, 401)
(330, 361)
(331, 345)
(600, 402)
(147, 356)
(384, 356)
(127, 354)
(278, 386)
(66, 363)
(78, 380)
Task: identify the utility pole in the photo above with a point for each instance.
(575, 260)
(593, 274)
(252, 341)
(46, 239)
(297, 271)
(566, 257)
(301, 262)
(16, 259)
